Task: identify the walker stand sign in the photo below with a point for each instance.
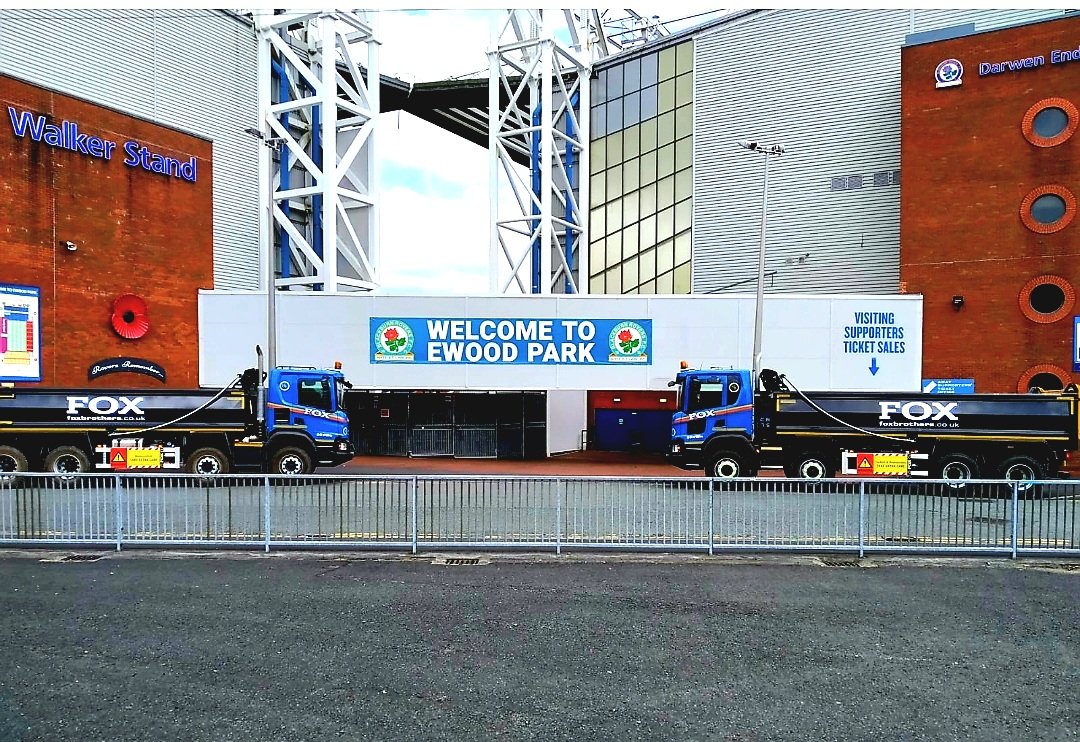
(539, 342)
(20, 343)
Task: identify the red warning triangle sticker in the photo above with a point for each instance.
(864, 463)
(118, 458)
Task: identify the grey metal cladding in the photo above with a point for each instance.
(826, 85)
(191, 69)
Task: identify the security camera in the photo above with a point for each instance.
(69, 246)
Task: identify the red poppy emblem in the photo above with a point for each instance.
(129, 317)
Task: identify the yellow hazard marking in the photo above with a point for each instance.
(890, 463)
(144, 458)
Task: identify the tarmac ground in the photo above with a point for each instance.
(241, 646)
(575, 463)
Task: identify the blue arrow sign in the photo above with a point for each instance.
(873, 367)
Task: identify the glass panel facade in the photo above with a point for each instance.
(641, 174)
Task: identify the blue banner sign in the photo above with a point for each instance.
(948, 386)
(1076, 343)
(531, 341)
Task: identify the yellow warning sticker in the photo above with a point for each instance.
(147, 458)
(891, 463)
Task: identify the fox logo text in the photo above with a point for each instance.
(919, 411)
(105, 405)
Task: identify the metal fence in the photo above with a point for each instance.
(557, 513)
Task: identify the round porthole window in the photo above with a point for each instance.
(1050, 122)
(1048, 209)
(1045, 376)
(1046, 299)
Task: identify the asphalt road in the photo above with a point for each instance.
(310, 647)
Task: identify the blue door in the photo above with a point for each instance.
(633, 430)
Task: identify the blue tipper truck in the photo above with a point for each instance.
(730, 429)
(295, 423)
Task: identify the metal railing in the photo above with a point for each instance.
(484, 512)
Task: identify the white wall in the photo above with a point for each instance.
(567, 416)
(803, 337)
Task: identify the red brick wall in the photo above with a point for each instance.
(137, 232)
(966, 168)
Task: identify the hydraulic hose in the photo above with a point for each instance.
(186, 415)
(813, 404)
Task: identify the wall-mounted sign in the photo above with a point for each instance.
(125, 364)
(1021, 64)
(20, 341)
(948, 386)
(949, 73)
(1076, 343)
(67, 136)
(575, 342)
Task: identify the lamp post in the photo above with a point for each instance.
(273, 144)
(759, 304)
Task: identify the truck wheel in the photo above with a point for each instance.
(207, 461)
(65, 461)
(12, 461)
(813, 466)
(292, 461)
(726, 464)
(957, 468)
(1024, 470)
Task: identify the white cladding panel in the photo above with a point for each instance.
(806, 337)
(567, 417)
(190, 69)
(826, 85)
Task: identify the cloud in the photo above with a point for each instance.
(433, 186)
(421, 46)
(434, 210)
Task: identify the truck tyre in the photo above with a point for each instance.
(812, 465)
(207, 461)
(66, 460)
(292, 461)
(957, 468)
(12, 461)
(724, 463)
(1024, 470)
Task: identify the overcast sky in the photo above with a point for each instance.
(433, 185)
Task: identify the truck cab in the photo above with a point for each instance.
(713, 426)
(305, 408)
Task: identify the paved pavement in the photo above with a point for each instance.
(577, 463)
(218, 647)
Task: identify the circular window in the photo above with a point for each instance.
(1046, 299)
(1048, 209)
(1050, 122)
(1044, 376)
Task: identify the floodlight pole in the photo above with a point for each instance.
(759, 304)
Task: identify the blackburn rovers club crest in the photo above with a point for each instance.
(949, 73)
(393, 341)
(627, 343)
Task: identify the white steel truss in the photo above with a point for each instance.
(538, 108)
(318, 110)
